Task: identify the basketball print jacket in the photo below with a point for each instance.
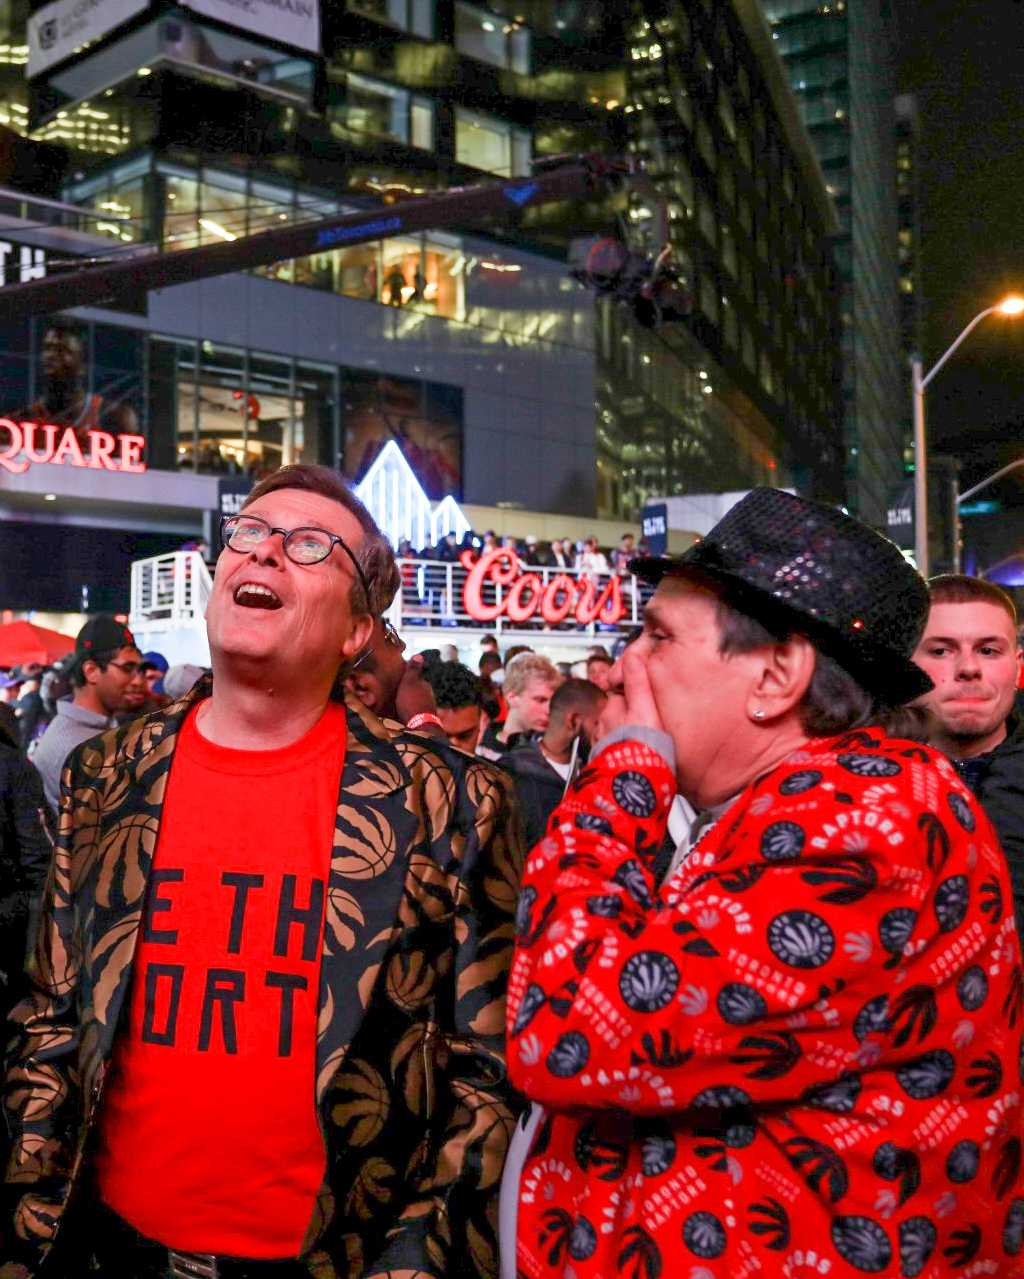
(410, 1091)
(800, 1056)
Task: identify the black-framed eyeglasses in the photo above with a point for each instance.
(131, 669)
(306, 545)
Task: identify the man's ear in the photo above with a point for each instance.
(90, 671)
(781, 678)
(358, 637)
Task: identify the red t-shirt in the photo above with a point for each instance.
(209, 1140)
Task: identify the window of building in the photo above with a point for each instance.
(706, 219)
(727, 183)
(381, 110)
(709, 299)
(706, 145)
(416, 16)
(729, 252)
(239, 412)
(484, 142)
(490, 38)
(726, 113)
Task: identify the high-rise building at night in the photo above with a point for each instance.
(503, 379)
(750, 384)
(840, 61)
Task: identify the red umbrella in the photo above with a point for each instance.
(22, 642)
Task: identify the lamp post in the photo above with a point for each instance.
(1010, 306)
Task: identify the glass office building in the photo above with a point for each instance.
(840, 61)
(178, 130)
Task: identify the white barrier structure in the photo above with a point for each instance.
(169, 594)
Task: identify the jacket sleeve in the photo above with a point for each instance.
(1002, 796)
(448, 1226)
(41, 1096)
(759, 969)
(32, 828)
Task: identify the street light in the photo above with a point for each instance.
(1010, 306)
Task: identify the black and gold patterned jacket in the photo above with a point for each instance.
(411, 1090)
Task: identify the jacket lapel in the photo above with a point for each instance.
(375, 826)
(129, 781)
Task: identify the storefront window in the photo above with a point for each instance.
(243, 413)
(483, 142)
(490, 38)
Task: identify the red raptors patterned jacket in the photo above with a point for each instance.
(800, 1056)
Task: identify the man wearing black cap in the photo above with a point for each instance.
(800, 1052)
(107, 670)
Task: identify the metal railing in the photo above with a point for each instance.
(172, 590)
(39, 209)
(433, 594)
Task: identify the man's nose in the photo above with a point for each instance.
(270, 550)
(968, 666)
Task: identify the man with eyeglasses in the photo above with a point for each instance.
(107, 678)
(266, 1034)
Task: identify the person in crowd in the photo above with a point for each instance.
(492, 678)
(972, 654)
(801, 1051)
(490, 542)
(153, 673)
(26, 838)
(180, 678)
(623, 555)
(230, 877)
(55, 684)
(29, 708)
(107, 669)
(599, 670)
(154, 667)
(390, 686)
(489, 644)
(514, 651)
(459, 696)
(531, 553)
(542, 766)
(529, 682)
(561, 555)
(591, 560)
(449, 653)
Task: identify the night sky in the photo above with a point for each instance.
(963, 60)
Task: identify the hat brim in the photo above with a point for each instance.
(884, 672)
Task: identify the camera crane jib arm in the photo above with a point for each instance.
(105, 281)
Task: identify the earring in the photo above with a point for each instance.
(759, 713)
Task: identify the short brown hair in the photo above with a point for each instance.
(959, 588)
(374, 555)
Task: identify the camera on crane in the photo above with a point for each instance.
(650, 286)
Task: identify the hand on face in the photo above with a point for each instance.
(630, 696)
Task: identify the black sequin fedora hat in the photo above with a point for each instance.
(791, 562)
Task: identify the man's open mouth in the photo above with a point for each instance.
(252, 595)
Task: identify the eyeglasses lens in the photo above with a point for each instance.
(307, 546)
(243, 535)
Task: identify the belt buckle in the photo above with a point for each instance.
(191, 1265)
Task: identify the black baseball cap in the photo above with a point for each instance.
(102, 634)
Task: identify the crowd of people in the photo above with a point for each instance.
(699, 957)
(582, 556)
